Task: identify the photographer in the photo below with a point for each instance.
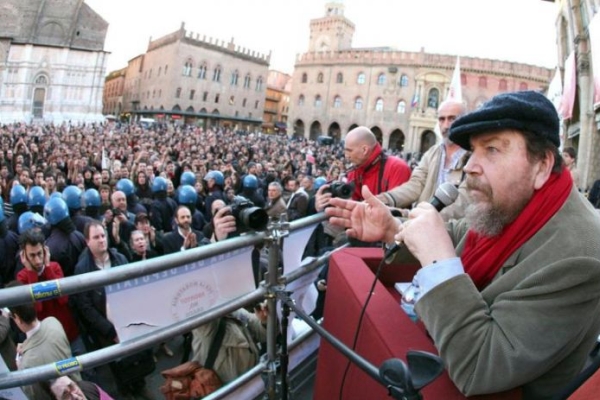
(371, 167)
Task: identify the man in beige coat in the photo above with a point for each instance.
(443, 162)
(511, 293)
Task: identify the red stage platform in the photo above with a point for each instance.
(386, 331)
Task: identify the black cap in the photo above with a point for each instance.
(525, 111)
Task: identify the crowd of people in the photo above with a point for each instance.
(78, 199)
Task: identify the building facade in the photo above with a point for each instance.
(395, 93)
(277, 102)
(582, 129)
(112, 97)
(197, 80)
(52, 62)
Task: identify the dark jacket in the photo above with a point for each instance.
(65, 248)
(173, 241)
(162, 212)
(90, 306)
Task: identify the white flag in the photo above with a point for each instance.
(105, 160)
(555, 90)
(455, 92)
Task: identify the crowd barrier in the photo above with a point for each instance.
(275, 282)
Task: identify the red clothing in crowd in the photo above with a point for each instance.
(395, 173)
(58, 307)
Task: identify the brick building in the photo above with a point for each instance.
(277, 102)
(52, 62)
(395, 93)
(197, 80)
(112, 97)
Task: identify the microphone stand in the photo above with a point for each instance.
(393, 374)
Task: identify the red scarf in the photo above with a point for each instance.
(484, 256)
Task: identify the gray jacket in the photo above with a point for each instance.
(535, 324)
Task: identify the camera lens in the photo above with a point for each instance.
(254, 218)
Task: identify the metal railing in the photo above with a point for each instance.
(274, 282)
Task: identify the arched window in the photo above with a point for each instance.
(304, 78)
(187, 68)
(320, 77)
(259, 83)
(523, 86)
(202, 72)
(502, 85)
(317, 101)
(433, 98)
(234, 78)
(358, 103)
(404, 80)
(339, 78)
(337, 102)
(379, 105)
(301, 100)
(401, 108)
(482, 82)
(244, 102)
(381, 79)
(178, 93)
(463, 79)
(41, 80)
(247, 81)
(360, 79)
(217, 74)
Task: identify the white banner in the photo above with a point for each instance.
(293, 247)
(555, 90)
(594, 30)
(144, 304)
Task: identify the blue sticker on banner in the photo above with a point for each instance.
(45, 290)
(68, 366)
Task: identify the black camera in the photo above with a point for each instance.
(340, 189)
(247, 216)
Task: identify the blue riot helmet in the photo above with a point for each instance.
(186, 195)
(126, 186)
(159, 184)
(2, 217)
(217, 176)
(56, 210)
(320, 181)
(29, 220)
(91, 198)
(56, 194)
(36, 197)
(72, 196)
(250, 182)
(187, 178)
(18, 195)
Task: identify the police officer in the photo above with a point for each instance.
(18, 201)
(65, 242)
(250, 191)
(72, 195)
(163, 208)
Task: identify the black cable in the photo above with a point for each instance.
(362, 314)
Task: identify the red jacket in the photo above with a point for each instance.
(58, 307)
(395, 173)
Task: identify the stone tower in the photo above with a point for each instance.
(333, 32)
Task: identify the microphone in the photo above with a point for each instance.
(445, 195)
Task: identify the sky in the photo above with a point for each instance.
(513, 30)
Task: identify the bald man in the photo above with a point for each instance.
(441, 163)
(372, 167)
